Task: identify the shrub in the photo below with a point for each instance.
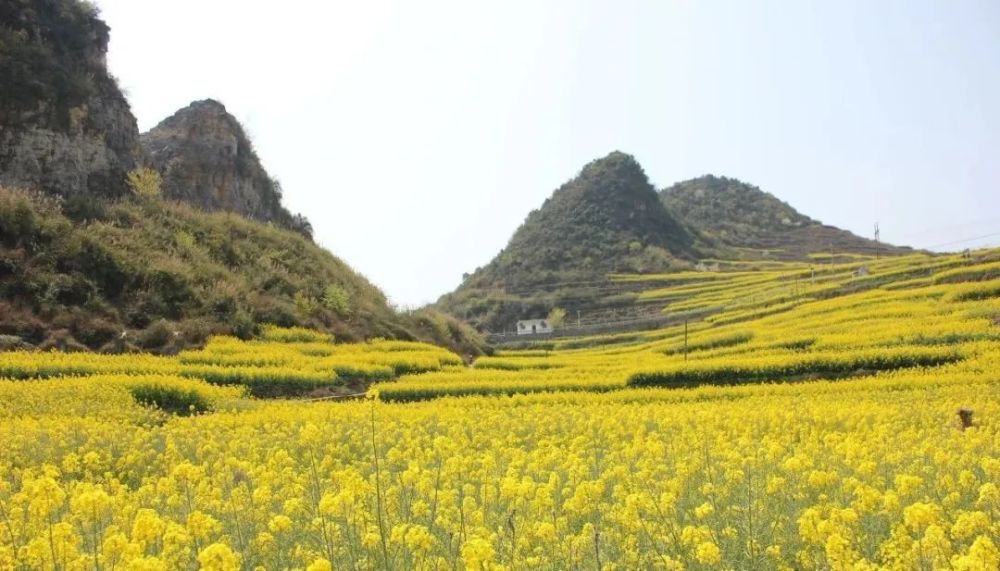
(305, 305)
(336, 299)
(93, 332)
(11, 343)
(82, 207)
(243, 325)
(18, 221)
(174, 400)
(156, 335)
(145, 182)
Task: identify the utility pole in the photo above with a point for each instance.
(685, 339)
(876, 240)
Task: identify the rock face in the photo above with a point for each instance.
(65, 126)
(206, 159)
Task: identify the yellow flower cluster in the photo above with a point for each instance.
(287, 361)
(828, 475)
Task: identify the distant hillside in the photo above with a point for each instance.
(733, 219)
(608, 219)
(206, 159)
(160, 275)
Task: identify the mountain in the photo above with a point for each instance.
(610, 219)
(736, 220)
(68, 130)
(84, 264)
(206, 159)
(607, 219)
(65, 127)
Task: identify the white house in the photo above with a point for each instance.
(533, 326)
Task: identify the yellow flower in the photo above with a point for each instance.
(708, 553)
(704, 510)
(919, 515)
(147, 564)
(218, 557)
(838, 551)
(280, 523)
(477, 553)
(319, 565)
(147, 527)
(983, 555)
(201, 525)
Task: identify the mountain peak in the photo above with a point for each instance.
(615, 158)
(208, 103)
(206, 159)
(733, 219)
(615, 165)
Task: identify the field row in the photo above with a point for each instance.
(286, 363)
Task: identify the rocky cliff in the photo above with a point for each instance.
(65, 127)
(206, 159)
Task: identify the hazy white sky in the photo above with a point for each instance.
(416, 136)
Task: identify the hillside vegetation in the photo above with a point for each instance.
(736, 220)
(159, 275)
(816, 420)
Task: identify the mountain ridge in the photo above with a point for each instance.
(739, 220)
(603, 222)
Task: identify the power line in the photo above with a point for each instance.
(994, 234)
(876, 240)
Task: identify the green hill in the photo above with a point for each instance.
(733, 219)
(608, 219)
(158, 275)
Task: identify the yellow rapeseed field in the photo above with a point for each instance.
(809, 425)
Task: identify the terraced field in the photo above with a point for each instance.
(810, 422)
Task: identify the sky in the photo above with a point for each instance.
(417, 136)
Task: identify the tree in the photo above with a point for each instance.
(556, 317)
(144, 182)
